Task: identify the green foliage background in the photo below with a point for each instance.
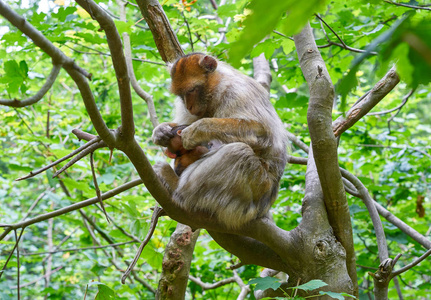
(390, 154)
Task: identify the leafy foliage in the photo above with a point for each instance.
(389, 152)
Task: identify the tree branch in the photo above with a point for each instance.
(39, 95)
(165, 38)
(128, 52)
(324, 144)
(361, 108)
(118, 61)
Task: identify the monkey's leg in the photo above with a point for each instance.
(167, 176)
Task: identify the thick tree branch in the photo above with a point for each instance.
(324, 144)
(128, 52)
(165, 38)
(361, 108)
(39, 95)
(262, 72)
(118, 61)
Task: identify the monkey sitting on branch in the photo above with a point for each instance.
(238, 180)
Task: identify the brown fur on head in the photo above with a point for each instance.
(193, 77)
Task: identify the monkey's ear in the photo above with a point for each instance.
(208, 63)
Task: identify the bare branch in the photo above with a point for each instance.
(405, 99)
(73, 153)
(96, 186)
(158, 212)
(70, 208)
(262, 72)
(319, 117)
(39, 95)
(80, 249)
(87, 150)
(407, 5)
(403, 226)
(369, 203)
(211, 286)
(17, 239)
(128, 52)
(379, 91)
(118, 61)
(412, 264)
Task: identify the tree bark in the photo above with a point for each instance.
(176, 264)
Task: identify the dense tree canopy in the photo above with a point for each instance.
(377, 55)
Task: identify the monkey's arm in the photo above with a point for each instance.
(226, 130)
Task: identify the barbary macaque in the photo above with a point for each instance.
(183, 157)
(238, 180)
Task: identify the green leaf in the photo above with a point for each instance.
(124, 27)
(265, 283)
(264, 18)
(311, 285)
(339, 296)
(105, 293)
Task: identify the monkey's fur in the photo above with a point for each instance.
(238, 180)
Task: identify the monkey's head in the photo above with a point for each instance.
(193, 78)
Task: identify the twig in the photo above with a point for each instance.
(98, 52)
(211, 286)
(10, 255)
(396, 147)
(70, 208)
(96, 186)
(412, 264)
(80, 155)
(34, 173)
(38, 279)
(80, 249)
(405, 99)
(158, 212)
(33, 205)
(18, 262)
(330, 28)
(407, 5)
(357, 111)
(189, 32)
(245, 289)
(39, 95)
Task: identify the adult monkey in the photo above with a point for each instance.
(238, 180)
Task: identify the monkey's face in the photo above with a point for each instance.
(192, 76)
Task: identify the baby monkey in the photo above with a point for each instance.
(183, 157)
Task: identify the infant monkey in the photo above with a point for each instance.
(183, 157)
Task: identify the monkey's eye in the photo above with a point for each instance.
(193, 90)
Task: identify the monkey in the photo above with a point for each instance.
(183, 157)
(238, 180)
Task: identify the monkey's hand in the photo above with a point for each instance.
(192, 136)
(162, 134)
